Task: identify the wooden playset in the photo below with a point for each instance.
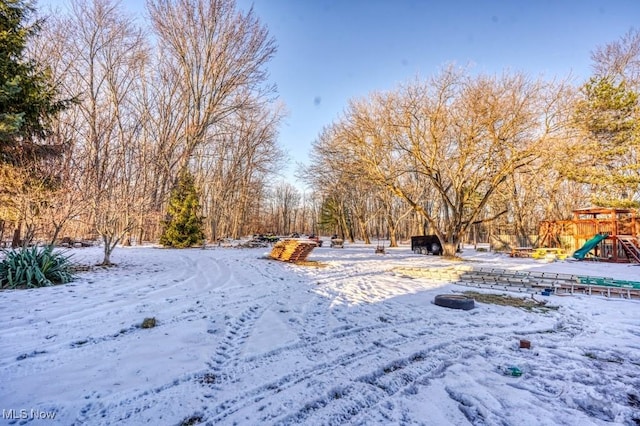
(596, 233)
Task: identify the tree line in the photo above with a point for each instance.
(465, 153)
(139, 106)
(104, 114)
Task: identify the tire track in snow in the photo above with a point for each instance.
(73, 340)
(237, 332)
(366, 396)
(361, 358)
(346, 401)
(227, 354)
(372, 383)
(313, 344)
(197, 310)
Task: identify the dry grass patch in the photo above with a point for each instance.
(311, 263)
(528, 303)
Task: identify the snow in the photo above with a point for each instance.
(242, 339)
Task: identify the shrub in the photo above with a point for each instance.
(34, 267)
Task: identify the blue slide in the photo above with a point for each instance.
(588, 246)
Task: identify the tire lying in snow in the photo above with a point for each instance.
(454, 301)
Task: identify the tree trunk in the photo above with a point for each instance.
(363, 230)
(29, 235)
(56, 231)
(15, 243)
(449, 249)
(393, 240)
(108, 248)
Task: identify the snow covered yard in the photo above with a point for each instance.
(245, 340)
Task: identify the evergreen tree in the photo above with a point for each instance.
(606, 156)
(184, 225)
(27, 96)
(334, 216)
(329, 216)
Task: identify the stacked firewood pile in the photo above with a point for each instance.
(292, 250)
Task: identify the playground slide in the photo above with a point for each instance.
(588, 246)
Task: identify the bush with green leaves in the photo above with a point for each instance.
(34, 267)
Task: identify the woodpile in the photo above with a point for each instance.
(292, 250)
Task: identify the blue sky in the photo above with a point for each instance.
(330, 51)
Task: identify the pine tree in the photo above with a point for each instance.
(334, 216)
(27, 96)
(184, 225)
(606, 157)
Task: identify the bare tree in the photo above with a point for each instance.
(202, 102)
(105, 53)
(211, 53)
(393, 213)
(462, 137)
(619, 59)
(286, 199)
(210, 108)
(234, 165)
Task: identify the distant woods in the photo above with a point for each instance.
(129, 106)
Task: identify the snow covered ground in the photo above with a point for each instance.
(244, 340)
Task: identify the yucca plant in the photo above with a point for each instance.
(34, 267)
